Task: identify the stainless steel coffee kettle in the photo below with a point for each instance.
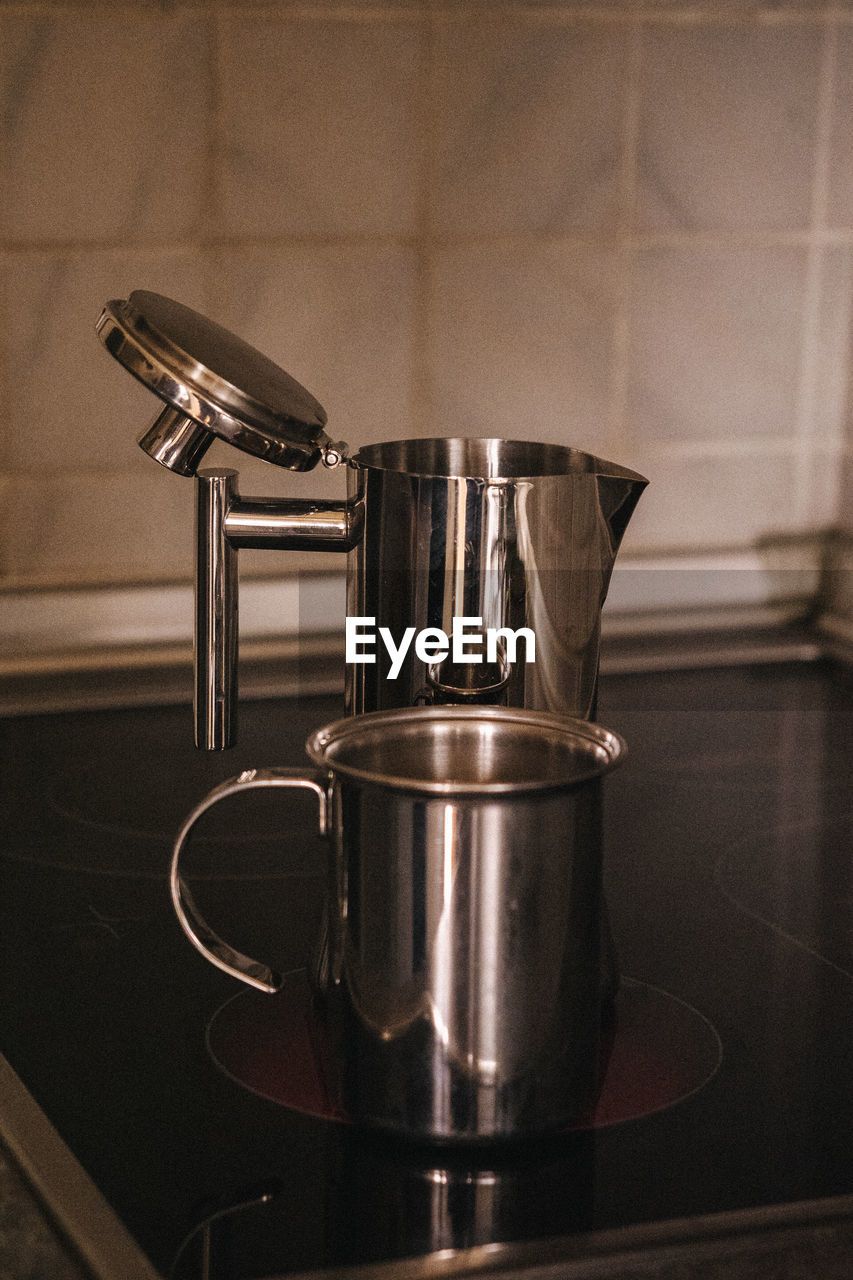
(516, 539)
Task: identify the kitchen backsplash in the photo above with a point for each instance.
(622, 226)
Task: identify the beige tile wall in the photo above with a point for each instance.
(624, 226)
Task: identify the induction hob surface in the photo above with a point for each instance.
(730, 889)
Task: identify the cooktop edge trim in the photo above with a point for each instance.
(64, 1189)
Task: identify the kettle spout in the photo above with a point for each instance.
(619, 492)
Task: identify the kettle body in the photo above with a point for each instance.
(515, 539)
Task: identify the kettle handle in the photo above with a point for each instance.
(203, 938)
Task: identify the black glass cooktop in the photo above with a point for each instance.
(199, 1108)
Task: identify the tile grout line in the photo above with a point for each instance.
(807, 400)
(624, 245)
(554, 14)
(213, 195)
(422, 385)
(720, 238)
(211, 245)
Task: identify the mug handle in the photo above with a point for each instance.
(211, 946)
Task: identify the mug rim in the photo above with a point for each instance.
(603, 748)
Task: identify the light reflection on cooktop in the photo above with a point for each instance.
(796, 881)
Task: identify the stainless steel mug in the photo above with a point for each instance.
(464, 914)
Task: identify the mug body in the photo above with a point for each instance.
(464, 926)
